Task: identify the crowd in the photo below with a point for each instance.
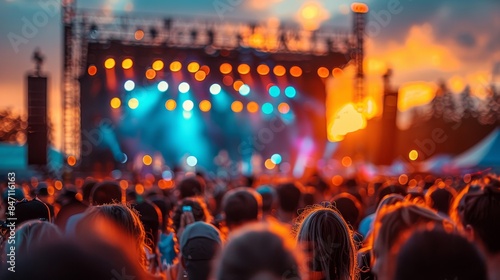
(250, 228)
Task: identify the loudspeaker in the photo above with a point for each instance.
(37, 120)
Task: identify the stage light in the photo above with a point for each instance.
(237, 84)
(183, 87)
(158, 65)
(323, 72)
(227, 80)
(129, 85)
(295, 71)
(133, 103)
(124, 158)
(115, 102)
(71, 160)
(267, 108)
(244, 90)
(175, 66)
(243, 69)
(237, 106)
(150, 74)
(167, 175)
(205, 69)
(269, 164)
(279, 70)
(276, 158)
(215, 89)
(200, 76)
(205, 105)
(139, 34)
(337, 72)
(147, 160)
(170, 104)
(263, 69)
(191, 161)
(139, 189)
(252, 107)
(283, 108)
(188, 105)
(92, 70)
(109, 63)
(274, 91)
(193, 67)
(413, 155)
(127, 63)
(346, 161)
(360, 8)
(162, 86)
(226, 68)
(290, 92)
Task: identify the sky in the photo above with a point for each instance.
(454, 41)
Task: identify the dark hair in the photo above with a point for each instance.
(151, 218)
(198, 208)
(289, 197)
(105, 193)
(389, 188)
(87, 188)
(435, 255)
(269, 197)
(241, 205)
(350, 208)
(481, 210)
(259, 249)
(440, 198)
(190, 186)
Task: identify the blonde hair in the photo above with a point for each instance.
(331, 238)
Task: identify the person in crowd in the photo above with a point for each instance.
(481, 221)
(289, 196)
(16, 194)
(151, 218)
(391, 222)
(240, 206)
(328, 242)
(436, 255)
(26, 210)
(350, 208)
(69, 206)
(269, 201)
(42, 194)
(106, 192)
(440, 198)
(366, 225)
(191, 186)
(199, 245)
(260, 251)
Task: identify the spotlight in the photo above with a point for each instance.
(267, 108)
(244, 90)
(183, 87)
(215, 89)
(129, 85)
(290, 92)
(274, 91)
(188, 105)
(162, 86)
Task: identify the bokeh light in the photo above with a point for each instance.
(337, 72)
(150, 74)
(215, 89)
(276, 158)
(413, 155)
(296, 71)
(290, 92)
(139, 34)
(244, 90)
(191, 161)
(267, 108)
(237, 106)
(346, 161)
(158, 65)
(175, 66)
(279, 70)
(127, 63)
(263, 69)
(170, 104)
(205, 105)
(129, 85)
(269, 164)
(92, 70)
(71, 160)
(205, 69)
(323, 72)
(133, 103)
(188, 105)
(283, 108)
(252, 107)
(193, 67)
(200, 76)
(274, 91)
(184, 87)
(147, 160)
(227, 80)
(109, 63)
(237, 84)
(226, 68)
(115, 102)
(162, 86)
(243, 69)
